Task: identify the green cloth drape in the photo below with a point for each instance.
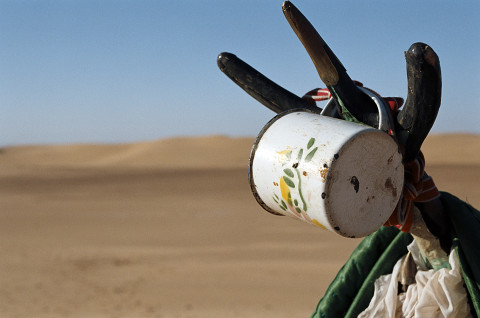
(351, 290)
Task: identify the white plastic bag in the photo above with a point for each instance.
(434, 294)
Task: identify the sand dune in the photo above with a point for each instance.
(202, 152)
(453, 149)
(169, 228)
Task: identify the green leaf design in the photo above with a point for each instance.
(298, 210)
(295, 202)
(300, 154)
(275, 199)
(300, 190)
(283, 208)
(289, 172)
(284, 204)
(310, 143)
(289, 182)
(276, 196)
(311, 154)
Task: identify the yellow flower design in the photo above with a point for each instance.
(284, 156)
(293, 202)
(284, 189)
(314, 221)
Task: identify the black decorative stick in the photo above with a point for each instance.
(260, 87)
(423, 99)
(353, 104)
(415, 121)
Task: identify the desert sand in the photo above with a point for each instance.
(169, 228)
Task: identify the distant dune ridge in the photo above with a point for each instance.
(194, 152)
(461, 149)
(203, 152)
(169, 228)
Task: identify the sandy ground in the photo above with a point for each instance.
(169, 229)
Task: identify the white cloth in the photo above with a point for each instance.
(433, 295)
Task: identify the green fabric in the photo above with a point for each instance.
(351, 290)
(465, 221)
(384, 265)
(346, 114)
(470, 283)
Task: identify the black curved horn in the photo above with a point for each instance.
(423, 99)
(353, 104)
(260, 87)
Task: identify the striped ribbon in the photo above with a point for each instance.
(317, 95)
(418, 186)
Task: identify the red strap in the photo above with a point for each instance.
(318, 95)
(418, 187)
(321, 94)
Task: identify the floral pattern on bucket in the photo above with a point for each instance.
(291, 199)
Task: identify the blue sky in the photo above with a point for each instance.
(123, 71)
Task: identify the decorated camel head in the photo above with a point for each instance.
(354, 165)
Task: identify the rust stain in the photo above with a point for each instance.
(304, 173)
(275, 183)
(430, 56)
(323, 174)
(389, 186)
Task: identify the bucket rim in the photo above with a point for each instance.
(254, 149)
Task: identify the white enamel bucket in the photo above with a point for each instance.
(338, 175)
